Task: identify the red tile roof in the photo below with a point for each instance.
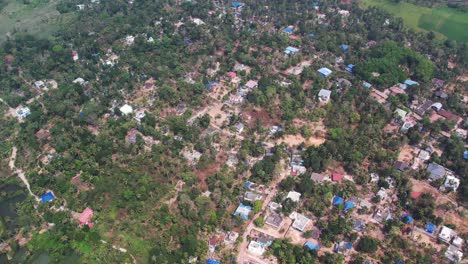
(415, 195)
(449, 115)
(231, 74)
(337, 177)
(85, 217)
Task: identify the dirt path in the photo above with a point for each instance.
(20, 173)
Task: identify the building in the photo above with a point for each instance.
(275, 220)
(251, 84)
(411, 82)
(343, 247)
(126, 109)
(424, 155)
(436, 171)
(288, 30)
(300, 221)
(239, 128)
(325, 72)
(344, 48)
(47, 197)
(451, 183)
(324, 95)
(454, 254)
(231, 237)
(336, 177)
(39, 84)
(274, 206)
(337, 200)
(400, 165)
(294, 196)
(23, 112)
(252, 196)
(42, 134)
(382, 194)
(311, 246)
(85, 217)
(317, 177)
(400, 113)
(129, 40)
(256, 248)
(291, 50)
(75, 56)
(243, 211)
(382, 215)
(447, 234)
(359, 225)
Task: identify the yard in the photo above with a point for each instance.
(445, 22)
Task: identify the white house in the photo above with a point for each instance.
(451, 183)
(324, 95)
(129, 40)
(294, 196)
(126, 109)
(256, 248)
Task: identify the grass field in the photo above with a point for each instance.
(39, 18)
(445, 22)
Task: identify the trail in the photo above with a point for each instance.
(20, 173)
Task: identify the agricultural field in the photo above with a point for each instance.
(445, 22)
(35, 17)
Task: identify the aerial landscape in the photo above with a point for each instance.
(250, 132)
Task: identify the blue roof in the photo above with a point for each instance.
(349, 245)
(366, 85)
(465, 154)
(337, 200)
(325, 71)
(399, 262)
(407, 218)
(311, 246)
(187, 41)
(315, 3)
(311, 35)
(237, 4)
(368, 262)
(47, 197)
(247, 184)
(430, 228)
(410, 82)
(350, 67)
(344, 47)
(348, 206)
(243, 211)
(212, 261)
(291, 50)
(210, 84)
(288, 30)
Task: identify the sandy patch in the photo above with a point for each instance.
(407, 153)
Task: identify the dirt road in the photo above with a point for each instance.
(20, 173)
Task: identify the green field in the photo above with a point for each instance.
(444, 21)
(38, 17)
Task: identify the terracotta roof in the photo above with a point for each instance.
(85, 217)
(449, 115)
(415, 195)
(337, 177)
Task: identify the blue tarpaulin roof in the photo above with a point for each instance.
(247, 185)
(465, 154)
(368, 262)
(315, 3)
(47, 197)
(311, 246)
(407, 219)
(325, 71)
(237, 4)
(337, 200)
(349, 245)
(344, 47)
(366, 85)
(430, 228)
(211, 84)
(411, 82)
(212, 261)
(288, 30)
(243, 211)
(348, 206)
(311, 35)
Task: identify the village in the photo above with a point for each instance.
(286, 186)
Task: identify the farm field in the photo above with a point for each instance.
(445, 22)
(39, 18)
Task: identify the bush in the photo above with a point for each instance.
(368, 245)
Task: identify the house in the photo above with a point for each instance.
(214, 241)
(426, 106)
(311, 246)
(291, 50)
(126, 109)
(447, 234)
(288, 30)
(436, 171)
(400, 113)
(252, 196)
(85, 217)
(212, 261)
(231, 237)
(42, 134)
(139, 115)
(407, 125)
(131, 136)
(337, 200)
(198, 21)
(374, 178)
(366, 85)
(343, 247)
(451, 183)
(465, 154)
(211, 85)
(23, 112)
(454, 254)
(237, 5)
(80, 6)
(430, 228)
(300, 221)
(349, 205)
(39, 84)
(275, 220)
(325, 72)
(243, 211)
(317, 177)
(274, 206)
(449, 115)
(251, 84)
(415, 195)
(411, 83)
(129, 40)
(343, 83)
(344, 13)
(396, 90)
(350, 68)
(256, 248)
(239, 128)
(79, 81)
(294, 196)
(400, 165)
(298, 170)
(382, 194)
(47, 197)
(231, 75)
(359, 225)
(407, 219)
(344, 47)
(336, 177)
(382, 215)
(424, 155)
(74, 54)
(324, 95)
